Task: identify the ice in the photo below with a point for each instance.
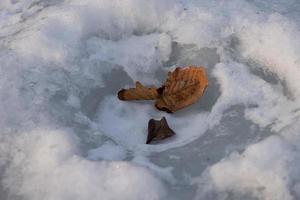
(107, 151)
(65, 135)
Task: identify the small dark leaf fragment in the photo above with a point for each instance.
(158, 130)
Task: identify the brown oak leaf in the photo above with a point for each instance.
(158, 130)
(140, 92)
(184, 86)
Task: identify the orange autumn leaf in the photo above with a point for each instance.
(183, 87)
(140, 92)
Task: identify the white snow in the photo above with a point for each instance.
(65, 135)
(44, 164)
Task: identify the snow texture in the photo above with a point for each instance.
(65, 135)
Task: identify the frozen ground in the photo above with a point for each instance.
(65, 136)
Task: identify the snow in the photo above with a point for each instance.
(65, 135)
(48, 167)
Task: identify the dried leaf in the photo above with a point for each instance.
(158, 130)
(140, 92)
(183, 87)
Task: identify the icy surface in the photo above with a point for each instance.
(65, 135)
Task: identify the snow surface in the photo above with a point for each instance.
(64, 134)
